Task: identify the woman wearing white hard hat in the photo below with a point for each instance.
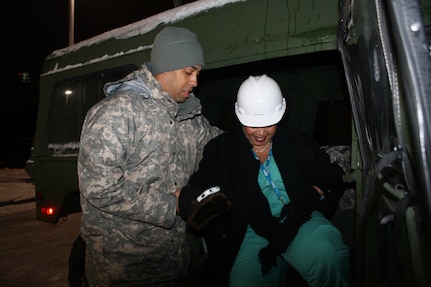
(283, 191)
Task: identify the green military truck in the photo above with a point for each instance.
(356, 75)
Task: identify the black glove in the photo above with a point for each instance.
(297, 212)
(300, 208)
(267, 259)
(282, 236)
(198, 208)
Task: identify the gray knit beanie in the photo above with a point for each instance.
(175, 48)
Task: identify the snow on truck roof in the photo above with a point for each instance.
(148, 24)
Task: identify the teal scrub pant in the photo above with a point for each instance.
(317, 252)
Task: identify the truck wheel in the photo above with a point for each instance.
(76, 276)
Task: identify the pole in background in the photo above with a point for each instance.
(71, 22)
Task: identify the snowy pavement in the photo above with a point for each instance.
(15, 186)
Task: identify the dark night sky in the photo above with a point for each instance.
(33, 30)
(43, 26)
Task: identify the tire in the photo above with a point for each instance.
(76, 276)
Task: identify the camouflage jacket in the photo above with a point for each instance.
(137, 147)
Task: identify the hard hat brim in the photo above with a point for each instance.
(259, 121)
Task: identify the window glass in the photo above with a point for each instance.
(72, 98)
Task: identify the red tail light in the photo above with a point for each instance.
(47, 211)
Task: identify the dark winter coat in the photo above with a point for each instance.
(229, 163)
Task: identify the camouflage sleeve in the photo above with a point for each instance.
(108, 137)
(330, 179)
(323, 173)
(204, 132)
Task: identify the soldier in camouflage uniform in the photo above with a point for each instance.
(137, 150)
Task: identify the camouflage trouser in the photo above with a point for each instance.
(190, 279)
(109, 272)
(77, 278)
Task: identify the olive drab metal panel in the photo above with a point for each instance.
(385, 46)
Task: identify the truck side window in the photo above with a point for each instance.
(72, 98)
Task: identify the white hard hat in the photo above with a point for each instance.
(259, 102)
